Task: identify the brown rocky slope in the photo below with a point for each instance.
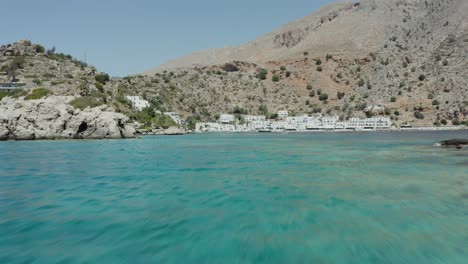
(409, 57)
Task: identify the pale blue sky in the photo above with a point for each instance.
(126, 37)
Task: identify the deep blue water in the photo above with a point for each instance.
(236, 198)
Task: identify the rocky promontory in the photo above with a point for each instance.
(54, 118)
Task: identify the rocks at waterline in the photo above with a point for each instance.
(171, 131)
(456, 143)
(53, 118)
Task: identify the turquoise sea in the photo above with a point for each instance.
(389, 197)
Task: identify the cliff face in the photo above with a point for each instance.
(408, 56)
(53, 118)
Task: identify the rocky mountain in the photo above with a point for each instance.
(405, 58)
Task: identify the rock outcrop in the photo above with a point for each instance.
(172, 131)
(456, 143)
(53, 118)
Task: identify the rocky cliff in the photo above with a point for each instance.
(54, 118)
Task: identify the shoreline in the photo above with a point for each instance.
(414, 129)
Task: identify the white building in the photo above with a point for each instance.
(256, 125)
(369, 123)
(252, 118)
(283, 114)
(329, 122)
(175, 116)
(226, 118)
(137, 102)
(298, 122)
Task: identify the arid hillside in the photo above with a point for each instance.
(406, 58)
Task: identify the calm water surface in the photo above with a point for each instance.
(253, 198)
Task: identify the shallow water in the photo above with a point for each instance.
(236, 198)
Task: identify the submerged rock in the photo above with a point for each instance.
(457, 143)
(53, 118)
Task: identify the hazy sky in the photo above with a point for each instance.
(126, 37)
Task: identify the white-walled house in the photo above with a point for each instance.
(283, 114)
(226, 118)
(175, 116)
(252, 118)
(137, 102)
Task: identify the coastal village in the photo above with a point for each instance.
(282, 121)
(286, 123)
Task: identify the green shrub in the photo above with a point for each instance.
(39, 49)
(455, 122)
(443, 122)
(393, 99)
(122, 99)
(319, 68)
(418, 115)
(323, 97)
(3, 94)
(283, 68)
(38, 93)
(37, 81)
(435, 102)
(309, 87)
(312, 93)
(318, 62)
(329, 57)
(18, 62)
(275, 78)
(17, 93)
(86, 101)
(102, 78)
(361, 82)
(397, 113)
(422, 77)
(387, 111)
(48, 75)
(340, 95)
(99, 86)
(69, 76)
(262, 74)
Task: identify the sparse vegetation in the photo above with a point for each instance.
(340, 95)
(275, 78)
(38, 93)
(418, 115)
(323, 97)
(85, 102)
(262, 74)
(102, 78)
